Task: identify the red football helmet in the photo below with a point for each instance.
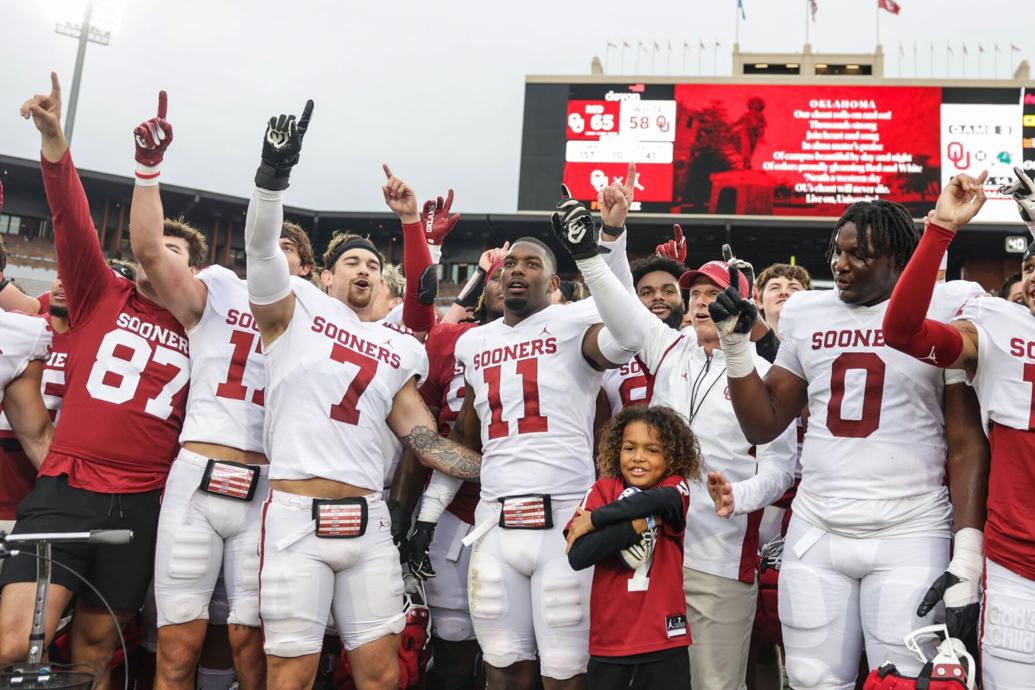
(952, 667)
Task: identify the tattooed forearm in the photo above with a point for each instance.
(442, 454)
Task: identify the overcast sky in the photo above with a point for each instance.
(434, 88)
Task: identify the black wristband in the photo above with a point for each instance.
(271, 178)
(469, 299)
(4, 283)
(767, 346)
(613, 232)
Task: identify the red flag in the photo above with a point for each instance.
(813, 7)
(889, 6)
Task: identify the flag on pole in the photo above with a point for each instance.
(1014, 49)
(901, 50)
(686, 46)
(813, 7)
(701, 43)
(657, 48)
(889, 6)
(717, 44)
(965, 51)
(625, 44)
(740, 6)
(612, 45)
(949, 48)
(997, 48)
(981, 48)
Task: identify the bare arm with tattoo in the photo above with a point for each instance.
(412, 422)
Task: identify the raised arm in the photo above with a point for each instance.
(421, 278)
(615, 201)
(84, 272)
(173, 282)
(626, 322)
(412, 422)
(906, 326)
(23, 405)
(764, 408)
(269, 278)
(475, 286)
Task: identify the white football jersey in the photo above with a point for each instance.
(876, 430)
(535, 395)
(626, 385)
(23, 338)
(227, 373)
(1005, 376)
(330, 383)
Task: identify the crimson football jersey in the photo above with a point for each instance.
(128, 362)
(627, 620)
(444, 389)
(17, 475)
(1005, 386)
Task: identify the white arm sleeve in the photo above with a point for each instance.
(618, 261)
(774, 476)
(437, 497)
(269, 279)
(625, 319)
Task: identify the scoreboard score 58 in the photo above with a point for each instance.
(603, 136)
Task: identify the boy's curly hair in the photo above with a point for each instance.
(676, 438)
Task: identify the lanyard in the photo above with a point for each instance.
(696, 388)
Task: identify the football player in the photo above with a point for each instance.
(872, 516)
(993, 341)
(333, 381)
(210, 513)
(126, 389)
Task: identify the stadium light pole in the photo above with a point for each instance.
(86, 33)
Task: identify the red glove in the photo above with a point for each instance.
(674, 249)
(1, 196)
(152, 138)
(437, 221)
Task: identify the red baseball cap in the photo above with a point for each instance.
(719, 273)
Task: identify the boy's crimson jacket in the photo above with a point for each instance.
(623, 622)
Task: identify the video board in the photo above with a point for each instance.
(772, 150)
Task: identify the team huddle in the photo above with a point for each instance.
(596, 469)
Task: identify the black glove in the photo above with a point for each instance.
(730, 311)
(573, 225)
(962, 621)
(401, 519)
(1023, 192)
(281, 147)
(420, 548)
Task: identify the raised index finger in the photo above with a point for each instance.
(449, 202)
(163, 104)
(55, 85)
(307, 112)
(735, 279)
(677, 232)
(388, 171)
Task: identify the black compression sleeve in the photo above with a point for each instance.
(767, 346)
(600, 544)
(664, 501)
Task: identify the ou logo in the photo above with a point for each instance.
(959, 156)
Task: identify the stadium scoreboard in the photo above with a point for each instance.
(781, 150)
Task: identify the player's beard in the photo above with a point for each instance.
(675, 318)
(58, 312)
(518, 305)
